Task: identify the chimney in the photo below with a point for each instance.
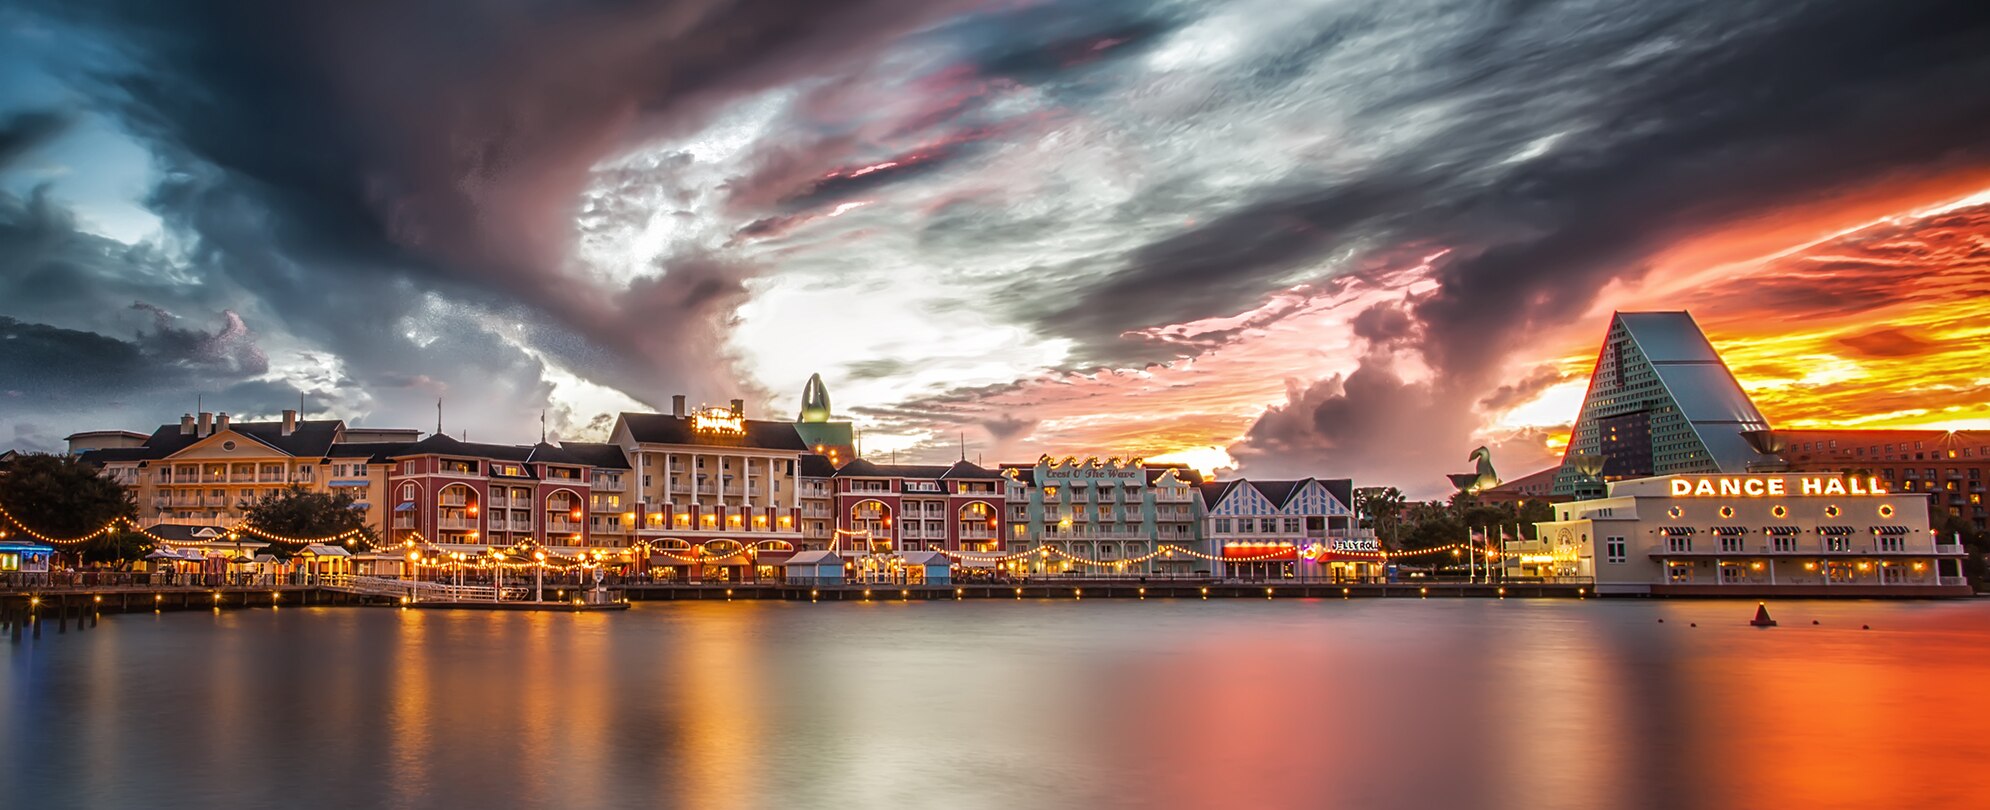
(186, 424)
(739, 407)
(206, 423)
(677, 405)
(289, 422)
(221, 422)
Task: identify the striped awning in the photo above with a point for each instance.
(1781, 531)
(1677, 531)
(1840, 530)
(1730, 531)
(1890, 530)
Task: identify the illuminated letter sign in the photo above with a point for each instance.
(717, 420)
(1773, 487)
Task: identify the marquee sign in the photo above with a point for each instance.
(718, 420)
(1765, 486)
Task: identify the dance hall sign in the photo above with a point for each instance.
(1774, 486)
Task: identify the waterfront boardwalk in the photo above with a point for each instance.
(1102, 589)
(125, 597)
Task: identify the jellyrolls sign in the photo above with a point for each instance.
(1774, 486)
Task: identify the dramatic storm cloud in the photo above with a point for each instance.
(1347, 238)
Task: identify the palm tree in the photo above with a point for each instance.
(1382, 509)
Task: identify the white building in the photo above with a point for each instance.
(1303, 529)
(1793, 534)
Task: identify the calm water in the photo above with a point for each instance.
(1442, 704)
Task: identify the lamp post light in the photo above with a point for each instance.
(497, 575)
(539, 577)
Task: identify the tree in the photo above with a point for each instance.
(298, 512)
(62, 497)
(1381, 509)
(1976, 546)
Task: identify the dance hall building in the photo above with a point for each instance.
(1762, 534)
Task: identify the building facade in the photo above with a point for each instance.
(1949, 466)
(1304, 529)
(1113, 512)
(1759, 534)
(208, 470)
(1660, 402)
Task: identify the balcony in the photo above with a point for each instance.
(460, 524)
(455, 500)
(520, 524)
(558, 526)
(609, 484)
(496, 502)
(1101, 535)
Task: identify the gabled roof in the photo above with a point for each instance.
(815, 466)
(442, 444)
(1213, 491)
(600, 455)
(661, 428)
(374, 452)
(1277, 492)
(548, 453)
(968, 469)
(310, 440)
(861, 468)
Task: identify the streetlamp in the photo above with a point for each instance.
(497, 574)
(539, 577)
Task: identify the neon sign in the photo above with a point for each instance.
(718, 420)
(1774, 487)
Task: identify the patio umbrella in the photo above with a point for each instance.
(162, 554)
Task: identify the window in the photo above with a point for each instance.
(1839, 543)
(1613, 549)
(1679, 545)
(1222, 525)
(407, 468)
(1730, 544)
(1292, 525)
(1892, 543)
(1784, 543)
(1268, 525)
(407, 492)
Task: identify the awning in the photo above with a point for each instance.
(1838, 530)
(349, 482)
(361, 505)
(406, 507)
(1781, 531)
(1677, 531)
(1890, 530)
(322, 550)
(1730, 531)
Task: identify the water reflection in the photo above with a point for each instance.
(1003, 704)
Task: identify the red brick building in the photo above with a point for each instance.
(1950, 466)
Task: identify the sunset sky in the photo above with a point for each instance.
(1353, 238)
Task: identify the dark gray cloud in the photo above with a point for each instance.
(332, 159)
(24, 130)
(1729, 116)
(46, 368)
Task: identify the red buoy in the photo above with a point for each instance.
(1762, 616)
